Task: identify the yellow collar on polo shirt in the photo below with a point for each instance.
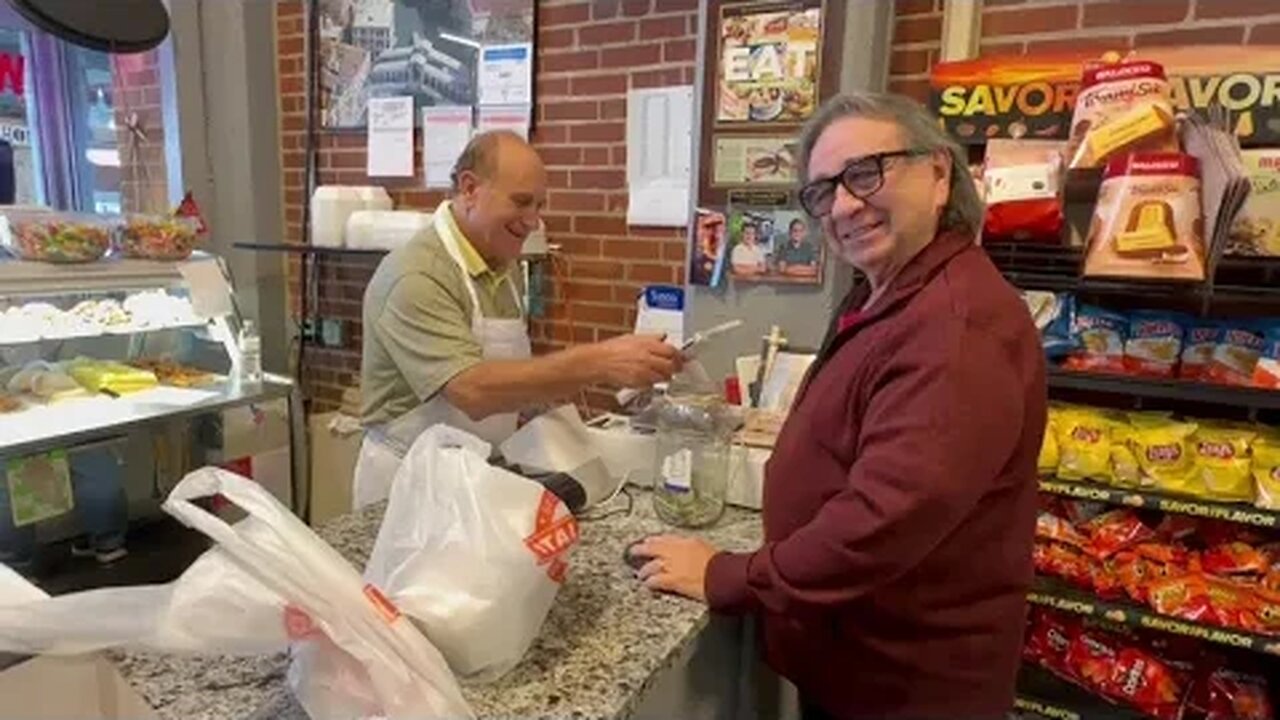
(473, 260)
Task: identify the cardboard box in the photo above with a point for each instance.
(333, 465)
(81, 686)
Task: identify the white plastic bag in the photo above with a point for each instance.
(270, 582)
(475, 554)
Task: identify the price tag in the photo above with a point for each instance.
(39, 487)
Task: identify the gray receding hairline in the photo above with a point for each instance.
(920, 130)
(480, 155)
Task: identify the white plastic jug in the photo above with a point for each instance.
(332, 205)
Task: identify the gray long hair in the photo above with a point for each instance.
(920, 130)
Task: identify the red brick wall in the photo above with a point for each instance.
(136, 89)
(588, 55)
(1021, 26)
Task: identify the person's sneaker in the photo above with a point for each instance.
(105, 557)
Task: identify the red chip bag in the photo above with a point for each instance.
(1049, 639)
(1234, 559)
(1117, 530)
(1268, 610)
(1065, 562)
(1054, 528)
(1185, 597)
(1144, 681)
(1233, 605)
(1230, 695)
(1107, 575)
(1091, 658)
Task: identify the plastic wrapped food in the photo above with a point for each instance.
(1055, 529)
(1154, 343)
(1234, 559)
(1049, 639)
(1114, 531)
(1142, 680)
(1022, 186)
(1266, 472)
(1230, 695)
(1148, 222)
(1047, 461)
(1223, 461)
(1122, 108)
(1267, 372)
(1235, 356)
(57, 237)
(155, 237)
(1185, 597)
(1256, 228)
(110, 377)
(1163, 449)
(1100, 337)
(1202, 336)
(1084, 445)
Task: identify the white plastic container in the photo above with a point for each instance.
(384, 229)
(331, 205)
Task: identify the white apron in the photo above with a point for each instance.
(384, 445)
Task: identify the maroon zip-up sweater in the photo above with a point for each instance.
(900, 501)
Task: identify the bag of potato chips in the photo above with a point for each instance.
(1047, 463)
(1125, 470)
(1084, 444)
(1266, 470)
(1163, 449)
(1222, 455)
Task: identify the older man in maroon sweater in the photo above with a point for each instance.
(900, 501)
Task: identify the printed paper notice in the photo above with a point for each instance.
(506, 74)
(445, 132)
(659, 156)
(390, 137)
(504, 117)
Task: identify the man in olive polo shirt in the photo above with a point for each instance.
(444, 330)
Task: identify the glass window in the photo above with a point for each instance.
(95, 146)
(17, 118)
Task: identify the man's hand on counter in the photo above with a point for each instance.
(633, 361)
(676, 564)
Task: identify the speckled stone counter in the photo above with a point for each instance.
(603, 644)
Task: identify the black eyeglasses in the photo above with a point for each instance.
(862, 177)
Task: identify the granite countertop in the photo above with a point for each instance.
(603, 643)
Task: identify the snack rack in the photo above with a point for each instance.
(204, 413)
(1240, 286)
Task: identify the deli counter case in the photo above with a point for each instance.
(146, 358)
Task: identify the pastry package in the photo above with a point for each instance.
(1022, 186)
(1256, 228)
(1122, 108)
(1147, 223)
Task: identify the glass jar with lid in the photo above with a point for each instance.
(691, 473)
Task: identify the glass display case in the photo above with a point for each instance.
(146, 358)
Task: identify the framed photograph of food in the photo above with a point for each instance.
(754, 160)
(768, 64)
(770, 240)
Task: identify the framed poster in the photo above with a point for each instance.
(769, 62)
(771, 240)
(427, 49)
(754, 160)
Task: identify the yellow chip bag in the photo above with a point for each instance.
(1222, 455)
(1084, 445)
(1163, 449)
(1125, 471)
(1266, 471)
(1047, 463)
